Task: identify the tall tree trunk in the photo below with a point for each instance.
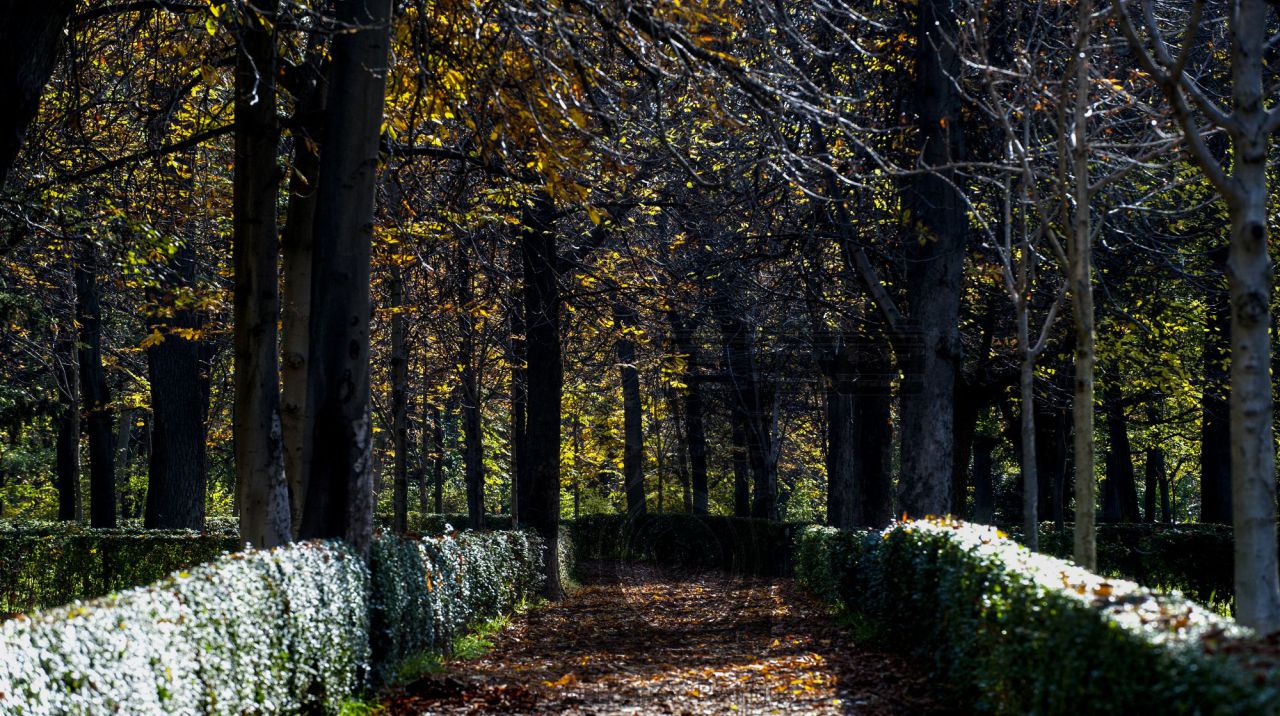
(399, 403)
(843, 500)
(67, 460)
(437, 459)
(741, 471)
(1120, 502)
(748, 393)
(295, 310)
(983, 480)
(872, 406)
(1155, 478)
(1215, 420)
(1080, 284)
(632, 412)
(519, 389)
(472, 421)
(1249, 269)
(99, 414)
(936, 239)
(1027, 424)
(539, 501)
(339, 495)
(178, 468)
(694, 411)
(31, 40)
(262, 493)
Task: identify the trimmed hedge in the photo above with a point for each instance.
(259, 632)
(736, 544)
(45, 564)
(1015, 632)
(427, 592)
(1196, 559)
(301, 628)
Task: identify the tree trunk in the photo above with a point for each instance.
(694, 411)
(99, 414)
(748, 393)
(983, 480)
(1027, 423)
(295, 311)
(262, 493)
(539, 501)
(1120, 498)
(872, 408)
(67, 459)
(1080, 284)
(31, 40)
(1215, 422)
(437, 459)
(339, 496)
(1155, 478)
(1249, 268)
(178, 468)
(632, 412)
(519, 405)
(741, 473)
(842, 462)
(938, 229)
(399, 403)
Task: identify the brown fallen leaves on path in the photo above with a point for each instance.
(638, 639)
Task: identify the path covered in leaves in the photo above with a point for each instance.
(636, 639)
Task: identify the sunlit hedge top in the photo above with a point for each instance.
(1016, 632)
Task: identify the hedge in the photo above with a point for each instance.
(1194, 558)
(1015, 632)
(45, 564)
(301, 628)
(736, 544)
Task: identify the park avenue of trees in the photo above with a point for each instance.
(326, 264)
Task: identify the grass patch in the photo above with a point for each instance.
(360, 707)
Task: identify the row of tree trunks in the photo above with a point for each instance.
(626, 319)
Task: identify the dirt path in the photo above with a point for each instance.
(639, 640)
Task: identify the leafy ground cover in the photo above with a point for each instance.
(638, 638)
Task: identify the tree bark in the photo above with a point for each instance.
(1080, 285)
(31, 40)
(339, 494)
(938, 231)
(842, 462)
(99, 415)
(539, 495)
(262, 493)
(67, 460)
(399, 403)
(1120, 498)
(632, 412)
(178, 468)
(872, 408)
(295, 311)
(1249, 269)
(694, 411)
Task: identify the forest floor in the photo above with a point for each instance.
(637, 639)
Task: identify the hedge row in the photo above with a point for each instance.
(736, 544)
(1196, 559)
(298, 629)
(45, 564)
(1015, 632)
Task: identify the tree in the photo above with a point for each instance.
(1243, 187)
(339, 493)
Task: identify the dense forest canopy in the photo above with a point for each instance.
(311, 262)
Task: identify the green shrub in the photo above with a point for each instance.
(259, 632)
(735, 544)
(1196, 559)
(1015, 632)
(427, 592)
(304, 628)
(45, 564)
